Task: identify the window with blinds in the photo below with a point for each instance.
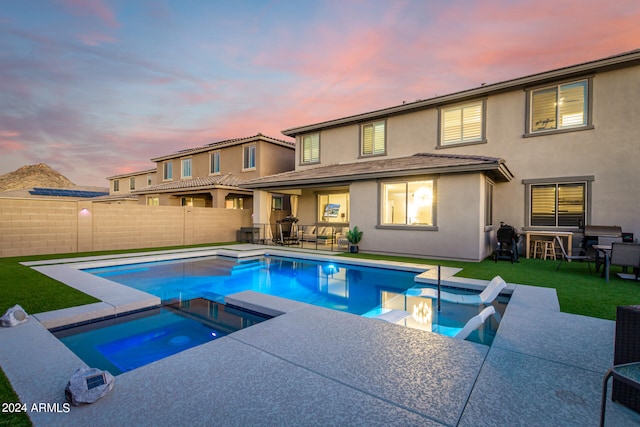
(559, 107)
(311, 148)
(558, 205)
(373, 138)
(462, 123)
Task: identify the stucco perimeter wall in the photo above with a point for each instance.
(39, 227)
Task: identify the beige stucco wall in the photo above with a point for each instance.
(459, 233)
(36, 227)
(610, 152)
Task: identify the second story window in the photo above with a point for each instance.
(149, 180)
(167, 170)
(311, 148)
(116, 185)
(132, 183)
(462, 123)
(186, 168)
(373, 139)
(249, 157)
(558, 108)
(214, 163)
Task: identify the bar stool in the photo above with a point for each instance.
(550, 249)
(537, 245)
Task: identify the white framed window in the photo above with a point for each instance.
(408, 203)
(559, 108)
(132, 183)
(167, 170)
(562, 202)
(116, 185)
(311, 148)
(463, 123)
(186, 168)
(333, 207)
(249, 157)
(373, 140)
(214, 163)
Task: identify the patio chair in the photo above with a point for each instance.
(462, 333)
(493, 289)
(626, 255)
(567, 257)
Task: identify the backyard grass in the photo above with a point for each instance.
(578, 291)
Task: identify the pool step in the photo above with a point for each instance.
(247, 266)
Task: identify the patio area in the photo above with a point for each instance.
(314, 366)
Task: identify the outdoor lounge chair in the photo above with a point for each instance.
(493, 289)
(462, 333)
(567, 257)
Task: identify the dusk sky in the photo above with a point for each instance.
(96, 88)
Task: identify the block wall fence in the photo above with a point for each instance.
(40, 227)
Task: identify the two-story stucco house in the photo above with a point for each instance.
(208, 176)
(121, 187)
(435, 177)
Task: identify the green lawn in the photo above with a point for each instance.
(578, 292)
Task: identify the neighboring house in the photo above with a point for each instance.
(435, 177)
(209, 176)
(121, 187)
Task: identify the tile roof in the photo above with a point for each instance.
(226, 143)
(130, 174)
(421, 163)
(205, 183)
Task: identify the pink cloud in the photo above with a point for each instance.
(95, 39)
(93, 8)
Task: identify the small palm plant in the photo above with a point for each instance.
(354, 236)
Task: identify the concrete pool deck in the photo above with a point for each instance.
(314, 366)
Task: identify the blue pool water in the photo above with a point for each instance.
(127, 342)
(354, 289)
(349, 288)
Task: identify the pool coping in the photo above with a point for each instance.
(117, 299)
(544, 368)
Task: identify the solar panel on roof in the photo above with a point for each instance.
(62, 192)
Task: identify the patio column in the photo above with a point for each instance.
(261, 211)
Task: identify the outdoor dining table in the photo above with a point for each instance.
(605, 250)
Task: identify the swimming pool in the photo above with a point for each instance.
(124, 343)
(344, 287)
(352, 288)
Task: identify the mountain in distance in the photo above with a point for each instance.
(30, 176)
